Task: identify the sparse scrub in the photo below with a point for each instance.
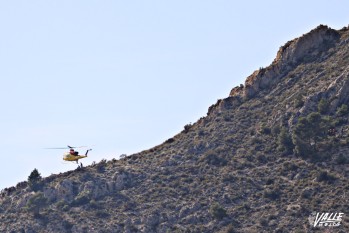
(101, 166)
(324, 176)
(187, 127)
(341, 159)
(264, 129)
(342, 110)
(218, 212)
(231, 157)
(212, 158)
(272, 194)
(323, 106)
(36, 203)
(298, 101)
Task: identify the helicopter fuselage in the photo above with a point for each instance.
(69, 157)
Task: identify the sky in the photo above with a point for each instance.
(124, 76)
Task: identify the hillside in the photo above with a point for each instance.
(262, 160)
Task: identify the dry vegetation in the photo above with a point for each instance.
(246, 167)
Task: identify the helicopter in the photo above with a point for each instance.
(72, 155)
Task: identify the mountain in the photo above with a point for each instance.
(267, 158)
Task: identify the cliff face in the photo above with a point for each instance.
(263, 159)
(303, 49)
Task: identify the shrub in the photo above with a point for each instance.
(212, 158)
(269, 181)
(264, 129)
(187, 127)
(323, 106)
(35, 203)
(275, 130)
(81, 200)
(230, 229)
(67, 225)
(302, 148)
(101, 165)
(342, 110)
(289, 166)
(325, 177)
(285, 141)
(102, 214)
(218, 212)
(298, 101)
(170, 140)
(272, 194)
(341, 159)
(22, 185)
(261, 157)
(60, 204)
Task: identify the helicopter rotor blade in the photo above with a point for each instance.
(65, 148)
(76, 147)
(56, 148)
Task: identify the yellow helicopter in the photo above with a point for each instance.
(72, 155)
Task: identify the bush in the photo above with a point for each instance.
(285, 141)
(264, 129)
(269, 181)
(323, 106)
(170, 140)
(102, 214)
(187, 127)
(218, 212)
(212, 158)
(81, 200)
(275, 130)
(341, 159)
(67, 225)
(272, 194)
(261, 157)
(325, 177)
(342, 110)
(298, 101)
(302, 148)
(101, 166)
(230, 229)
(35, 203)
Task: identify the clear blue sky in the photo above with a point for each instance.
(127, 75)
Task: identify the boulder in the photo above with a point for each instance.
(121, 180)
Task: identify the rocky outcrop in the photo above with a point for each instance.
(307, 47)
(50, 193)
(337, 93)
(338, 90)
(65, 190)
(310, 44)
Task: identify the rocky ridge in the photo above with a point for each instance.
(231, 171)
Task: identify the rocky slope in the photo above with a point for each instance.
(262, 160)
